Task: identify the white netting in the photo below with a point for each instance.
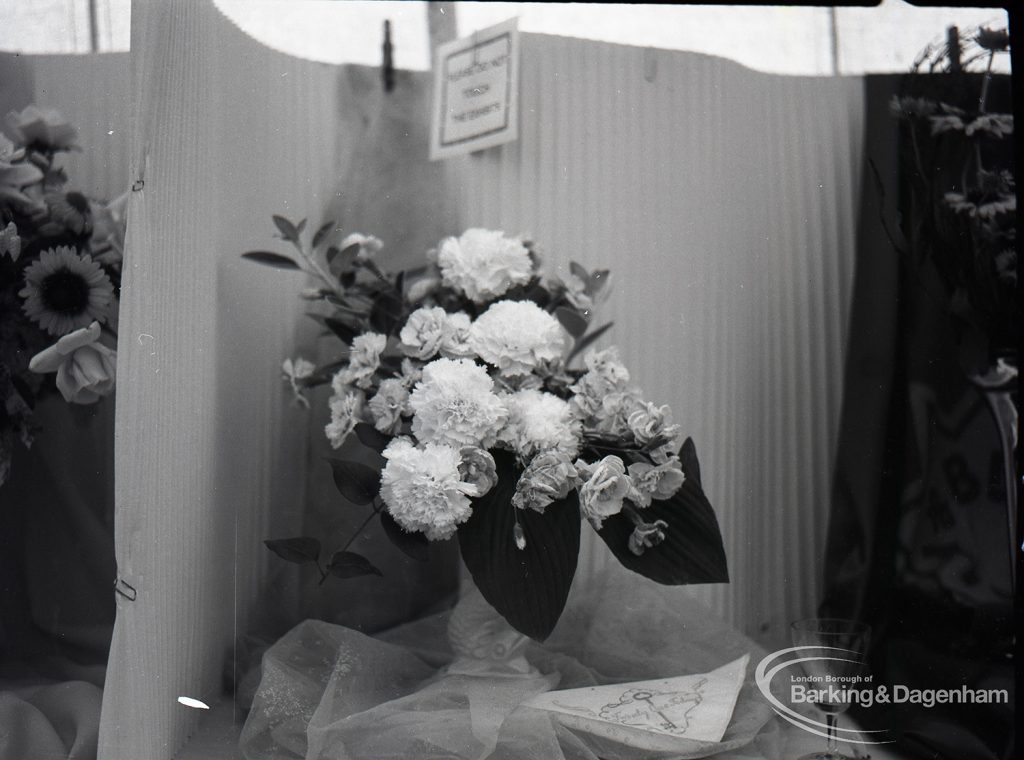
(331, 693)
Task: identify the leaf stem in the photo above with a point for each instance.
(318, 271)
(361, 528)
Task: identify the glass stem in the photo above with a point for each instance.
(833, 744)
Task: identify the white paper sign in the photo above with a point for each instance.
(656, 714)
(476, 92)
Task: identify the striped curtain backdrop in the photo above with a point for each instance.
(725, 202)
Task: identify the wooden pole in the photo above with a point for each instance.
(440, 24)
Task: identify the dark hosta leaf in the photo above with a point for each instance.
(371, 437)
(571, 320)
(357, 482)
(413, 545)
(286, 228)
(527, 586)
(321, 234)
(300, 550)
(692, 551)
(271, 259)
(351, 565)
(688, 460)
(586, 340)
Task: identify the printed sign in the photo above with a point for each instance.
(476, 92)
(665, 714)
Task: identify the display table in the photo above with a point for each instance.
(328, 692)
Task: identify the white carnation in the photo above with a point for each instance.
(455, 341)
(388, 405)
(607, 366)
(363, 361)
(540, 421)
(517, 337)
(423, 332)
(483, 264)
(369, 246)
(454, 403)
(346, 411)
(423, 488)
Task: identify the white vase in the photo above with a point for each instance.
(483, 641)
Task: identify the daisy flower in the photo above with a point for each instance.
(64, 291)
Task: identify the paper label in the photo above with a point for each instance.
(696, 707)
(476, 92)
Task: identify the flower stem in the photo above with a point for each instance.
(362, 526)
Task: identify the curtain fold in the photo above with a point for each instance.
(918, 532)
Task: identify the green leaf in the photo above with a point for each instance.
(344, 257)
(357, 482)
(321, 234)
(386, 313)
(343, 330)
(351, 565)
(371, 437)
(288, 230)
(571, 320)
(692, 551)
(579, 271)
(414, 545)
(271, 259)
(300, 550)
(586, 340)
(597, 281)
(527, 586)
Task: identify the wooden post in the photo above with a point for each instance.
(441, 24)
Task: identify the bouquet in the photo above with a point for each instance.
(458, 376)
(60, 274)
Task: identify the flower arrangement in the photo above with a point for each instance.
(458, 377)
(959, 216)
(60, 273)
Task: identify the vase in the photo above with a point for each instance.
(482, 640)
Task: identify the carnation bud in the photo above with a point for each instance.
(646, 535)
(519, 536)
